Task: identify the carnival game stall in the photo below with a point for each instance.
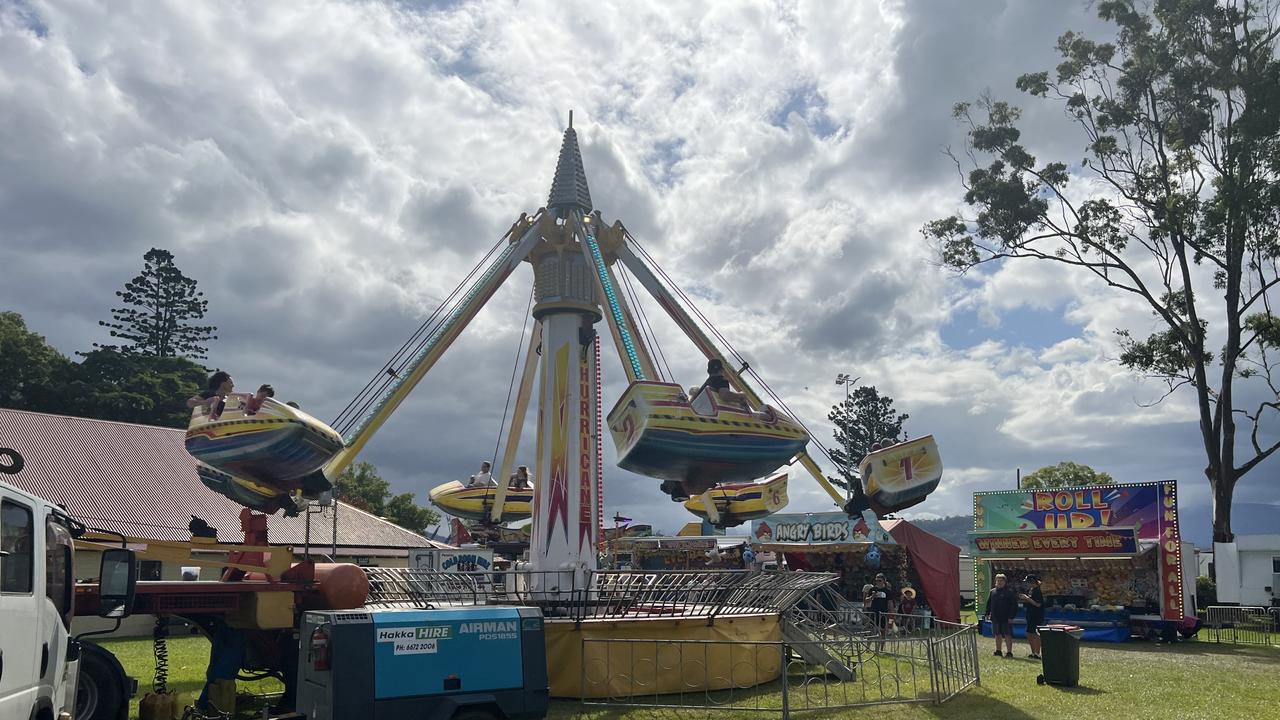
(834, 542)
(1109, 558)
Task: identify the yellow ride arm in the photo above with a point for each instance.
(517, 422)
(453, 325)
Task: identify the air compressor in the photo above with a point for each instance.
(428, 664)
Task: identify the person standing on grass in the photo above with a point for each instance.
(1002, 607)
(907, 608)
(879, 605)
(1034, 602)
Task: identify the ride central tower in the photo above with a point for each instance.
(564, 536)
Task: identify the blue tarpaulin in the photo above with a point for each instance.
(1099, 625)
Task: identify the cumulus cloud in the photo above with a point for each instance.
(328, 171)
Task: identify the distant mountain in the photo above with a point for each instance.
(954, 529)
(1196, 521)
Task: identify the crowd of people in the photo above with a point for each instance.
(891, 611)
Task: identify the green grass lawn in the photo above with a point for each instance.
(188, 656)
(1125, 681)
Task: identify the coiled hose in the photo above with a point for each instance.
(160, 647)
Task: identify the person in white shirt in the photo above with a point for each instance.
(482, 478)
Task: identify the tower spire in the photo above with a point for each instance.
(569, 189)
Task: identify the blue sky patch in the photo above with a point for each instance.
(1028, 327)
(31, 19)
(663, 160)
(810, 105)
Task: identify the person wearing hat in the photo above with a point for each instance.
(907, 608)
(1034, 603)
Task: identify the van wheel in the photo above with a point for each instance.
(100, 689)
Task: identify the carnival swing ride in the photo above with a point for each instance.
(708, 445)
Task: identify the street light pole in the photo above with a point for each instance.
(847, 382)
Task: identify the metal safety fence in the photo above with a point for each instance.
(600, 595)
(777, 677)
(1241, 624)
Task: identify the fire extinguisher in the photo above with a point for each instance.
(319, 650)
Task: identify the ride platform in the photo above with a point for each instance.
(595, 620)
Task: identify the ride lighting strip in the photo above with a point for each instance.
(599, 448)
(432, 341)
(614, 308)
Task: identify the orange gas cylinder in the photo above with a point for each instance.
(339, 586)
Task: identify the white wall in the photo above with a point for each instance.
(1256, 575)
(1204, 558)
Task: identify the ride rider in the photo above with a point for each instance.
(214, 394)
(483, 478)
(255, 402)
(719, 384)
(520, 479)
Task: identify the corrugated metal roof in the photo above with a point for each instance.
(138, 480)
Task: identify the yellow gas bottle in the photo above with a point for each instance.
(222, 695)
(160, 706)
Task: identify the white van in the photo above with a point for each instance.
(37, 588)
(39, 660)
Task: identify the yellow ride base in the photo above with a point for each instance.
(623, 669)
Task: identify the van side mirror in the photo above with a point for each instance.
(117, 583)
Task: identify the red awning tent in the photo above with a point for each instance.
(936, 562)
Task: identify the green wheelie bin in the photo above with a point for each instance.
(1060, 650)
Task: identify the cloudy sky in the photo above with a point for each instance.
(328, 170)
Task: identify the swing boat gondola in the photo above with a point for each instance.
(740, 503)
(902, 475)
(696, 443)
(261, 458)
(474, 503)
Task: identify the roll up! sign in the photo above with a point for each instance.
(1150, 509)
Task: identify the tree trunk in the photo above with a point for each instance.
(1223, 488)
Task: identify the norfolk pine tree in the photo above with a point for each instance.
(160, 305)
(862, 420)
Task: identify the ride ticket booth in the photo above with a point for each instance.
(1110, 558)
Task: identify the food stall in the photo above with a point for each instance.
(834, 542)
(1110, 558)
